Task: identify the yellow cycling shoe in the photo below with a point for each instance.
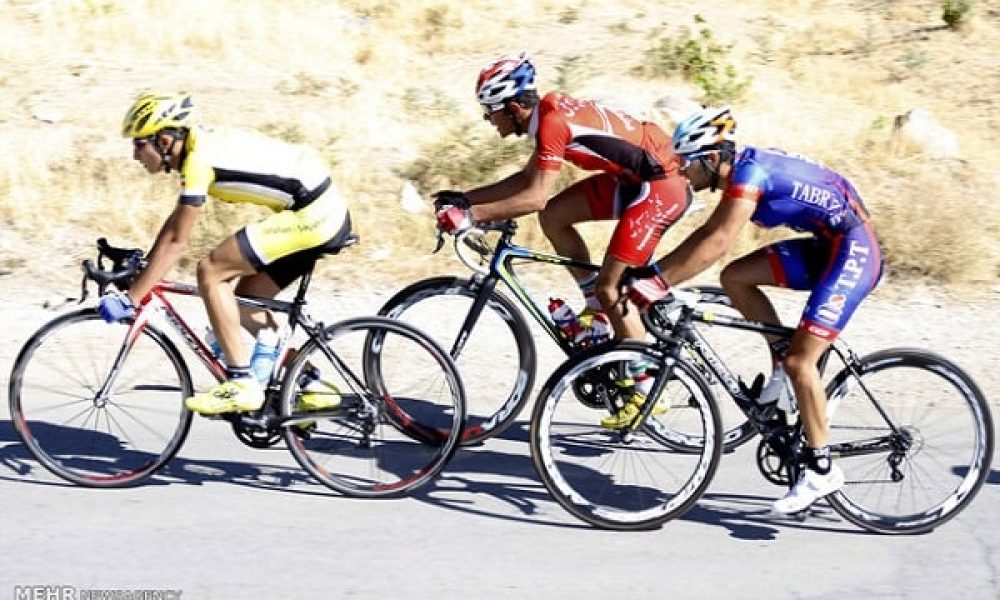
(229, 396)
(630, 411)
(319, 395)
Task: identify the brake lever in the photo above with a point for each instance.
(440, 242)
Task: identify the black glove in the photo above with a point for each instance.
(633, 273)
(445, 198)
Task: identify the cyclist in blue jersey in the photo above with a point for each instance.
(840, 262)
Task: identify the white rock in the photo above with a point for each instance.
(410, 199)
(380, 254)
(917, 131)
(48, 116)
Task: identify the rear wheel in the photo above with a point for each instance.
(395, 408)
(88, 423)
(918, 454)
(499, 337)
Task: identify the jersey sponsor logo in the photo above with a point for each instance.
(830, 311)
(819, 331)
(646, 224)
(859, 255)
(816, 196)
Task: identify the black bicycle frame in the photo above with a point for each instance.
(689, 335)
(501, 268)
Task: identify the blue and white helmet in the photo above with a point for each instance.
(705, 131)
(504, 79)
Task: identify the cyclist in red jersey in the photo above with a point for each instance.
(640, 183)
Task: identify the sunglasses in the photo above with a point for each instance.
(489, 110)
(138, 143)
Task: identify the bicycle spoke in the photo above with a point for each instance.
(944, 452)
(620, 479)
(401, 421)
(108, 441)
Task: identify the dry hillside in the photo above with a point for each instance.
(384, 89)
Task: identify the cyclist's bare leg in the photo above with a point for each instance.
(216, 271)
(800, 364)
(262, 286)
(625, 326)
(741, 280)
(565, 209)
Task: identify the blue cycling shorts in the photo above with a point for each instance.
(840, 270)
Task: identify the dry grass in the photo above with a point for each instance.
(383, 89)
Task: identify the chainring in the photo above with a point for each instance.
(597, 388)
(255, 436)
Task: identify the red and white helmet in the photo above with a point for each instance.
(503, 79)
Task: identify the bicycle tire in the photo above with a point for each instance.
(104, 442)
(381, 368)
(438, 306)
(945, 442)
(652, 482)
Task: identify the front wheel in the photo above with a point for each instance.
(623, 480)
(89, 423)
(387, 411)
(498, 337)
(916, 450)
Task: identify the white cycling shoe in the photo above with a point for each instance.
(810, 487)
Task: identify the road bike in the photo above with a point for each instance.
(102, 405)
(910, 429)
(479, 325)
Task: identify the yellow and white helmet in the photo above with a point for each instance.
(153, 112)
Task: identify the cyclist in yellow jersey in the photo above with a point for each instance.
(261, 258)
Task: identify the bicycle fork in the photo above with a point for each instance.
(103, 393)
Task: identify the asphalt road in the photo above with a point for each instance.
(227, 521)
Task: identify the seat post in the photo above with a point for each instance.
(300, 295)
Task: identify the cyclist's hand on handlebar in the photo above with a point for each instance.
(115, 306)
(445, 198)
(644, 286)
(454, 219)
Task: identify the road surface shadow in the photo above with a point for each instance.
(17, 464)
(510, 478)
(482, 480)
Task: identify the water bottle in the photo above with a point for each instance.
(787, 401)
(265, 352)
(564, 318)
(213, 344)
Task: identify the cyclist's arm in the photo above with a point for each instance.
(528, 192)
(168, 248)
(708, 243)
(504, 188)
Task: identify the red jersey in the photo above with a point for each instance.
(596, 137)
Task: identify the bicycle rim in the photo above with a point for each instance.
(111, 440)
(616, 482)
(381, 369)
(500, 339)
(943, 446)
